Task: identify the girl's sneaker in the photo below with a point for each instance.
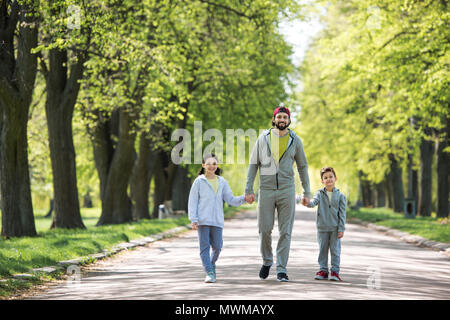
(321, 275)
(210, 277)
(335, 277)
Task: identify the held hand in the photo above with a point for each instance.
(194, 225)
(250, 198)
(340, 235)
(305, 201)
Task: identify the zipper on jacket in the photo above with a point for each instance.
(329, 201)
(277, 179)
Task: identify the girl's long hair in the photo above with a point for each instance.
(210, 155)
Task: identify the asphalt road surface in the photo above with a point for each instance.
(373, 266)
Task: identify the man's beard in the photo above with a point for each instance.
(281, 126)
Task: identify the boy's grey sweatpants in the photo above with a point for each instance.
(328, 241)
(284, 201)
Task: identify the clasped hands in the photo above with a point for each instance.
(250, 198)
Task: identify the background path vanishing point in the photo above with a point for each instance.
(373, 266)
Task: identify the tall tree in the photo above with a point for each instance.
(395, 177)
(62, 65)
(443, 171)
(18, 67)
(426, 160)
(63, 52)
(120, 72)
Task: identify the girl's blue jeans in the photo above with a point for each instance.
(210, 241)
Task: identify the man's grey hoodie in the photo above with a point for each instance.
(281, 176)
(330, 215)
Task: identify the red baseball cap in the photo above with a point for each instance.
(281, 108)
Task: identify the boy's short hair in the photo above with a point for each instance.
(326, 169)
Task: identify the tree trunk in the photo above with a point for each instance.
(18, 67)
(373, 195)
(160, 179)
(17, 208)
(388, 190)
(366, 193)
(413, 175)
(141, 177)
(87, 200)
(103, 146)
(176, 189)
(443, 172)
(415, 187)
(426, 160)
(395, 174)
(181, 187)
(116, 205)
(380, 195)
(359, 201)
(50, 211)
(413, 182)
(61, 98)
(366, 190)
(171, 170)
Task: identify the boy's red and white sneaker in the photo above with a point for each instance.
(335, 277)
(321, 275)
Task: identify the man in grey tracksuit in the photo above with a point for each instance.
(277, 189)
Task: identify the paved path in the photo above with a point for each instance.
(373, 266)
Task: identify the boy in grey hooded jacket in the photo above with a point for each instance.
(330, 224)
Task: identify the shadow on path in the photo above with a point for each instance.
(373, 266)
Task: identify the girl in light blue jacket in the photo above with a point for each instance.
(205, 209)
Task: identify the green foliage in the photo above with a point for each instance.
(165, 62)
(376, 67)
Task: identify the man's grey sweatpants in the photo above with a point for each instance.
(328, 241)
(284, 201)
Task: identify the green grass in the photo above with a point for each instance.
(90, 217)
(20, 255)
(430, 228)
